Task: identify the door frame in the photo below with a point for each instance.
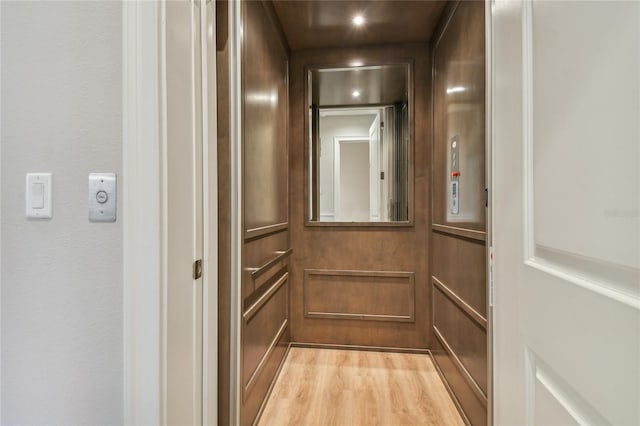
(144, 216)
(489, 175)
(337, 144)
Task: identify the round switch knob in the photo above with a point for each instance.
(102, 197)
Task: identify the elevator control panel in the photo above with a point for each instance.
(102, 197)
(454, 204)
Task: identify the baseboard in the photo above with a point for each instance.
(360, 348)
(449, 390)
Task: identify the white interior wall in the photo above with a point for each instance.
(330, 127)
(61, 294)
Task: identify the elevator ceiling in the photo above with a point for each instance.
(326, 24)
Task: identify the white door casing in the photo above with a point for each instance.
(566, 212)
(182, 227)
(337, 141)
(170, 355)
(141, 214)
(210, 215)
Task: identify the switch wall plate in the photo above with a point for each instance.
(102, 197)
(38, 196)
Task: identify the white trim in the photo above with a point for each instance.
(141, 187)
(489, 171)
(235, 141)
(197, 230)
(164, 211)
(0, 227)
(337, 140)
(527, 127)
(210, 217)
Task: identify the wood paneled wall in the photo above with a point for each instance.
(364, 286)
(458, 255)
(265, 206)
(266, 243)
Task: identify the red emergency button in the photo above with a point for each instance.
(455, 174)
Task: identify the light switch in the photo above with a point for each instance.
(102, 197)
(38, 197)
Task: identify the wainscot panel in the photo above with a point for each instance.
(359, 295)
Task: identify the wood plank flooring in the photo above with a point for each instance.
(349, 387)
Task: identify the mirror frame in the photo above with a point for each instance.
(409, 62)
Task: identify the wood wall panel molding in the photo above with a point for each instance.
(264, 231)
(460, 264)
(258, 304)
(479, 393)
(264, 324)
(360, 348)
(359, 295)
(460, 232)
(466, 338)
(461, 304)
(278, 257)
(252, 380)
(473, 408)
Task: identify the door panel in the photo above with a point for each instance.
(566, 212)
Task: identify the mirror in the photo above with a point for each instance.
(359, 145)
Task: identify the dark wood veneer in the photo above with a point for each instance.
(362, 247)
(458, 255)
(325, 24)
(224, 210)
(359, 295)
(265, 209)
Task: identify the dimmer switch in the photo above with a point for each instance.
(102, 197)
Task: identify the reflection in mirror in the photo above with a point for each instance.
(359, 150)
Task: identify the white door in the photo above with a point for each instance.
(183, 229)
(374, 170)
(566, 212)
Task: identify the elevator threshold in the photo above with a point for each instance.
(353, 387)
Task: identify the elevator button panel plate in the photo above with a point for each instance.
(454, 205)
(102, 197)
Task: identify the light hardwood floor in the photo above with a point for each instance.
(349, 387)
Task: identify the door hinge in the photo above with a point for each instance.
(197, 269)
(381, 175)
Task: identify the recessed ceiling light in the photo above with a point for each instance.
(356, 64)
(355, 93)
(358, 20)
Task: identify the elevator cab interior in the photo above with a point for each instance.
(364, 202)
